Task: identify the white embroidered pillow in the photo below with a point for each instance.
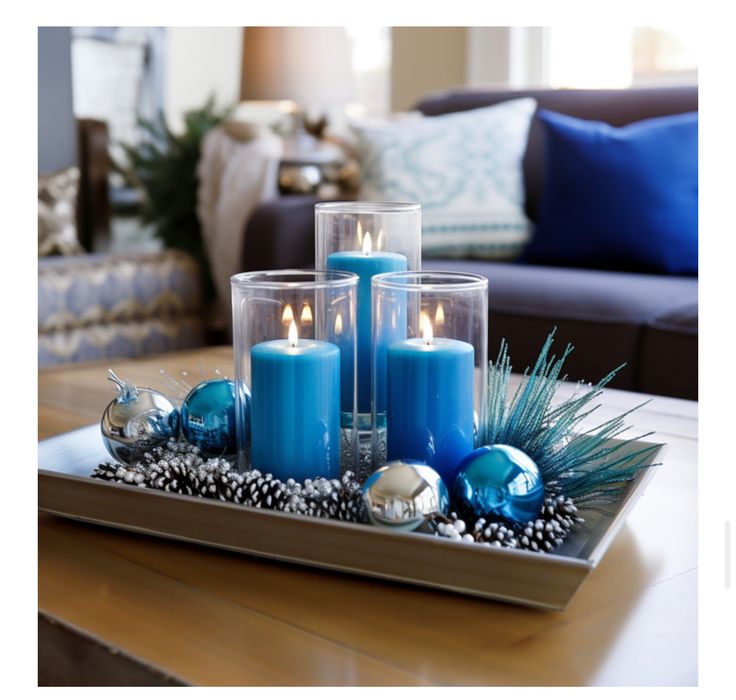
(464, 168)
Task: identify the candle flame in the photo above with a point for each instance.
(288, 315)
(306, 314)
(379, 240)
(439, 315)
(360, 235)
(338, 324)
(426, 326)
(367, 243)
(293, 335)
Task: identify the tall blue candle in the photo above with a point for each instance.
(365, 264)
(430, 401)
(295, 408)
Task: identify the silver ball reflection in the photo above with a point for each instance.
(403, 495)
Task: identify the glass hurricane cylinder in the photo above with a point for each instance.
(367, 238)
(430, 340)
(294, 346)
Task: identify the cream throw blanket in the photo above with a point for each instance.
(234, 178)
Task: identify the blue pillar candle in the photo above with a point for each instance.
(430, 401)
(365, 264)
(388, 330)
(295, 408)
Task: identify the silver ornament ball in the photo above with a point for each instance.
(136, 421)
(403, 495)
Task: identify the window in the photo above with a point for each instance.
(371, 58)
(619, 57)
(117, 75)
(664, 54)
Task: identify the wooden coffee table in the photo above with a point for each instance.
(125, 609)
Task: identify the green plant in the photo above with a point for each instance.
(164, 166)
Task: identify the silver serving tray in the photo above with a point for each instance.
(538, 580)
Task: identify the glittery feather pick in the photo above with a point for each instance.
(585, 466)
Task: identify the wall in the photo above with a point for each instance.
(201, 61)
(57, 141)
(488, 58)
(429, 59)
(425, 59)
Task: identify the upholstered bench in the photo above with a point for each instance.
(92, 307)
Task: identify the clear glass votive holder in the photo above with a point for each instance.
(430, 367)
(367, 238)
(294, 347)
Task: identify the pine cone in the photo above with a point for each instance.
(230, 487)
(135, 476)
(541, 536)
(497, 534)
(322, 497)
(556, 519)
(107, 471)
(352, 509)
(326, 498)
(351, 504)
(178, 467)
(263, 491)
(212, 479)
(340, 499)
(174, 476)
(561, 509)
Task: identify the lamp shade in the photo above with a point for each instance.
(309, 65)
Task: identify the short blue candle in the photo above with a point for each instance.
(365, 264)
(295, 408)
(430, 402)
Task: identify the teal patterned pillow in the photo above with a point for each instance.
(465, 169)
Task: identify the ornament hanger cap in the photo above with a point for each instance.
(126, 390)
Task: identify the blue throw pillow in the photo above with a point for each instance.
(619, 198)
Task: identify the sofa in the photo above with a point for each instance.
(94, 306)
(648, 322)
(103, 306)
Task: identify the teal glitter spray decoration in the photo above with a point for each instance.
(548, 432)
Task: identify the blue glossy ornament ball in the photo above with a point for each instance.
(500, 481)
(208, 418)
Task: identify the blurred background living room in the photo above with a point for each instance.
(562, 165)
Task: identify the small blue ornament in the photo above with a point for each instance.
(500, 481)
(208, 418)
